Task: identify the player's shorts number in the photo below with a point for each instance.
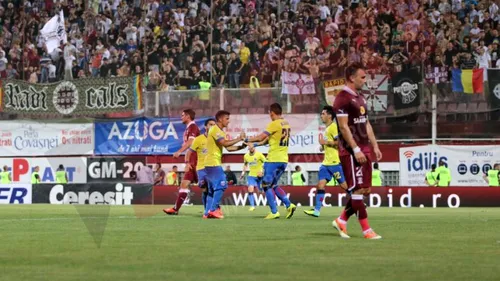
(285, 137)
(336, 175)
(359, 175)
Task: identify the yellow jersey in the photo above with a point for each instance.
(255, 162)
(331, 153)
(214, 149)
(199, 146)
(279, 138)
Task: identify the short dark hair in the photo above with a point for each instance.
(220, 114)
(329, 110)
(352, 69)
(208, 120)
(375, 166)
(276, 108)
(174, 167)
(190, 112)
(433, 166)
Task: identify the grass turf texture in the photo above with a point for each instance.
(48, 242)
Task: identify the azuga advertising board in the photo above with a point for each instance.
(163, 136)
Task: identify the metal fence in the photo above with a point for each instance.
(457, 115)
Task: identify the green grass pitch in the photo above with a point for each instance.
(49, 242)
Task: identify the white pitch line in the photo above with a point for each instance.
(75, 218)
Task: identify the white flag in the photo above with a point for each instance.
(297, 84)
(53, 32)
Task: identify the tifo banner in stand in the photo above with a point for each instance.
(297, 83)
(140, 136)
(81, 97)
(375, 91)
(113, 169)
(494, 86)
(15, 194)
(21, 169)
(406, 89)
(467, 164)
(26, 138)
(332, 88)
(163, 136)
(419, 197)
(93, 194)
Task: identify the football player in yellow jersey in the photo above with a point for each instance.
(331, 167)
(278, 134)
(216, 140)
(199, 146)
(255, 161)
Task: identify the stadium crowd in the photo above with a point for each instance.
(228, 42)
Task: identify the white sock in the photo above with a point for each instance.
(367, 231)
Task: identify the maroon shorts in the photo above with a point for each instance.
(356, 176)
(191, 175)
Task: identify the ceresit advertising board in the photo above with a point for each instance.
(22, 168)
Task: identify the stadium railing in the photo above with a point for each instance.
(458, 115)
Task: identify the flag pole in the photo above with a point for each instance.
(23, 43)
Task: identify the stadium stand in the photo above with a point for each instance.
(237, 46)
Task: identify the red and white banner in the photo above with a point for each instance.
(26, 138)
(22, 168)
(297, 84)
(375, 91)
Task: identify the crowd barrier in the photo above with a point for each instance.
(135, 194)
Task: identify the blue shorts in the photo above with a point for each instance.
(202, 177)
(254, 181)
(272, 173)
(216, 178)
(331, 171)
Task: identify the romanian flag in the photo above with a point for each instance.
(138, 92)
(469, 81)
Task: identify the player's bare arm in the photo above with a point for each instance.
(255, 144)
(186, 160)
(184, 147)
(329, 143)
(245, 164)
(227, 143)
(373, 140)
(347, 135)
(236, 147)
(259, 138)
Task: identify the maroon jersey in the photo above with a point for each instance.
(353, 106)
(191, 132)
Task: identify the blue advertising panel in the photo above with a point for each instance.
(141, 136)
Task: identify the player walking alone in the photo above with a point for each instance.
(356, 140)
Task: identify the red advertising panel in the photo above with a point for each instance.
(451, 197)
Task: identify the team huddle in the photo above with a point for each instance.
(347, 145)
